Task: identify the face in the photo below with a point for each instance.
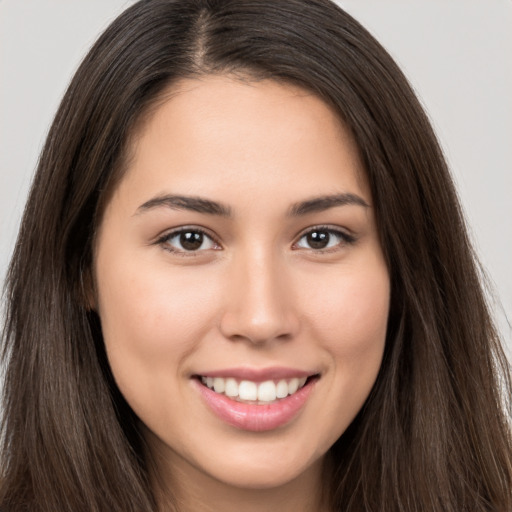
(241, 287)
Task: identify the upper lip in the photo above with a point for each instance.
(258, 374)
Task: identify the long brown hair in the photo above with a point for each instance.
(433, 435)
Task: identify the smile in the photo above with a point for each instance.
(255, 400)
(248, 391)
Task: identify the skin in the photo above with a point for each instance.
(257, 296)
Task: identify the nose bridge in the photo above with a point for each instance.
(259, 305)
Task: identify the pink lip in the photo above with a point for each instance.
(258, 374)
(252, 417)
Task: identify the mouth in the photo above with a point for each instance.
(256, 401)
(256, 393)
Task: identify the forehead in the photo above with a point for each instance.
(219, 131)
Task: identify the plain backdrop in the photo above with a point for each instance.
(456, 53)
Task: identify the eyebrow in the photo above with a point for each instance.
(202, 205)
(191, 203)
(319, 204)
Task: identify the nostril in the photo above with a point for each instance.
(259, 329)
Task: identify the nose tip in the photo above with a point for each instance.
(259, 307)
(256, 329)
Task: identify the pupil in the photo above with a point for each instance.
(318, 239)
(191, 240)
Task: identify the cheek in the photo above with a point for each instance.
(349, 318)
(149, 319)
(345, 312)
(141, 296)
(363, 321)
(355, 301)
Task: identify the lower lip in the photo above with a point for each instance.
(256, 418)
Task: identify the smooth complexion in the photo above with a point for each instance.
(263, 276)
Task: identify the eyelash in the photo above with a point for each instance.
(345, 239)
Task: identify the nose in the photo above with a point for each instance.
(259, 301)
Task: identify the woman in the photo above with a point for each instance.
(243, 282)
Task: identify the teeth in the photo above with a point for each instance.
(248, 390)
(293, 385)
(267, 391)
(231, 388)
(282, 389)
(219, 385)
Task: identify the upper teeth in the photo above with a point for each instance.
(267, 391)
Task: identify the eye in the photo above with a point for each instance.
(322, 238)
(188, 240)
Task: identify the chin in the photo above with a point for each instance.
(260, 478)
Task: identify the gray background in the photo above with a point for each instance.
(457, 54)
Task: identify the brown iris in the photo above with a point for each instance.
(191, 240)
(318, 239)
